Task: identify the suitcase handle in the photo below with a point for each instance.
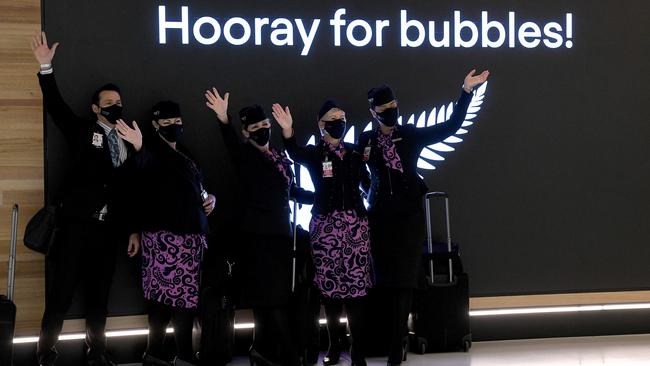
(427, 198)
(12, 253)
(436, 194)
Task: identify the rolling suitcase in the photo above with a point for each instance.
(214, 327)
(440, 317)
(7, 306)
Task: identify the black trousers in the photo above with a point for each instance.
(182, 319)
(399, 306)
(387, 315)
(304, 312)
(83, 253)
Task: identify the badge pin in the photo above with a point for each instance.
(328, 170)
(98, 140)
(366, 153)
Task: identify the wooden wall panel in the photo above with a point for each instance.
(21, 153)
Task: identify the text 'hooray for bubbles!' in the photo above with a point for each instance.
(343, 29)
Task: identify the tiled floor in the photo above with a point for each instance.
(587, 351)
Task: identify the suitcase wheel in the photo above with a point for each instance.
(422, 346)
(467, 344)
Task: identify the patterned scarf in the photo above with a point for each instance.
(281, 162)
(392, 159)
(339, 149)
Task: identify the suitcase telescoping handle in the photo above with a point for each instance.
(428, 197)
(12, 253)
(294, 220)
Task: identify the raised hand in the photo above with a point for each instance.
(218, 104)
(284, 119)
(130, 135)
(471, 80)
(43, 53)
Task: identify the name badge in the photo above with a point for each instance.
(328, 170)
(366, 153)
(98, 140)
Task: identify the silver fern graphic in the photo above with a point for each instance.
(430, 156)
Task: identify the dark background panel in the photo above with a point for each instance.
(549, 187)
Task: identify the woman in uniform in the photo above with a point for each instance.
(172, 233)
(338, 229)
(266, 183)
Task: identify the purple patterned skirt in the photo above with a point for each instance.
(170, 267)
(341, 250)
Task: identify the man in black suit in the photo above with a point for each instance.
(93, 215)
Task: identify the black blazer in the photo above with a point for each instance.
(341, 191)
(91, 181)
(264, 199)
(406, 187)
(170, 192)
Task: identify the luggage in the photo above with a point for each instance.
(7, 306)
(216, 326)
(440, 316)
(41, 230)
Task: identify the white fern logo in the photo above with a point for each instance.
(430, 155)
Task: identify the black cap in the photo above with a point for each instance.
(252, 114)
(165, 109)
(326, 108)
(380, 95)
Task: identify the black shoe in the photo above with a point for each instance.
(101, 360)
(47, 357)
(46, 363)
(311, 357)
(179, 362)
(405, 348)
(149, 360)
(332, 357)
(356, 358)
(257, 359)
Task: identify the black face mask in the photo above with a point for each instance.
(261, 136)
(171, 133)
(336, 128)
(111, 113)
(388, 117)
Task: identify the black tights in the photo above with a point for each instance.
(182, 320)
(335, 330)
(354, 308)
(272, 337)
